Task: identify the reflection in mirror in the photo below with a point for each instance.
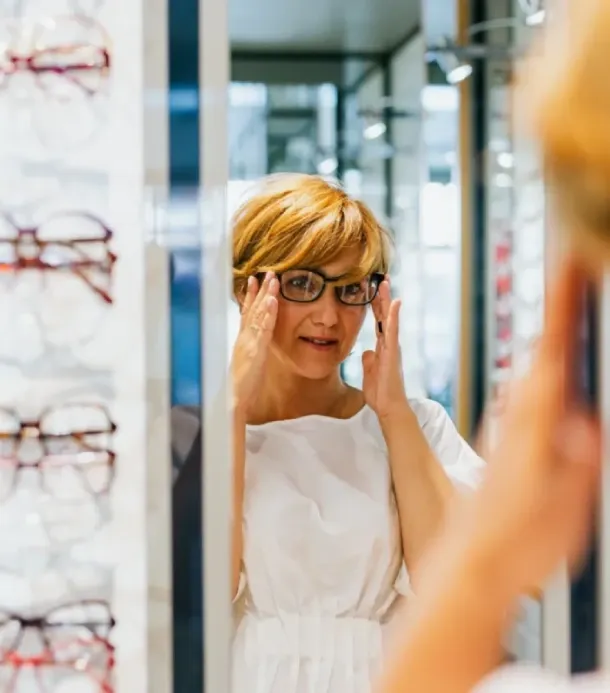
(360, 143)
(345, 455)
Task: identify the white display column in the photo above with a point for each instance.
(216, 299)
(85, 556)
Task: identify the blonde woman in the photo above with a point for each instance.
(338, 491)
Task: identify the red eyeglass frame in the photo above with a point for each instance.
(48, 656)
(30, 236)
(15, 62)
(32, 429)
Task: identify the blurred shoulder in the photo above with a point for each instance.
(533, 679)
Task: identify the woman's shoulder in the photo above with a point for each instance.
(428, 411)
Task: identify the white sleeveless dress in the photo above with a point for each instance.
(322, 564)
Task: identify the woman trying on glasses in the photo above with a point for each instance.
(338, 491)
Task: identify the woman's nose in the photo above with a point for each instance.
(326, 308)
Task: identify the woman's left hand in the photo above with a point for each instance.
(383, 384)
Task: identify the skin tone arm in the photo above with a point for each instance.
(258, 316)
(532, 515)
(423, 490)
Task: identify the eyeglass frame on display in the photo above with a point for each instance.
(18, 62)
(35, 263)
(48, 656)
(31, 429)
(26, 63)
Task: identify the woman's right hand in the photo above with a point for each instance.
(258, 317)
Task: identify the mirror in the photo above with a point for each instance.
(398, 117)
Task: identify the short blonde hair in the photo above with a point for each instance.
(298, 220)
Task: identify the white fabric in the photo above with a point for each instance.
(323, 568)
(530, 679)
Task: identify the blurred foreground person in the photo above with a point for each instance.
(565, 98)
(533, 512)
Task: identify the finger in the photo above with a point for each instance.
(267, 287)
(368, 367)
(251, 291)
(269, 319)
(368, 360)
(385, 298)
(380, 311)
(391, 331)
(263, 319)
(377, 311)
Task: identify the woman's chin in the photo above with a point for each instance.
(312, 371)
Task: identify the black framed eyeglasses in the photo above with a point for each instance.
(306, 286)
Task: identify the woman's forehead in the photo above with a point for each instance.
(344, 264)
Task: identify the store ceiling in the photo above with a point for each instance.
(316, 32)
(321, 25)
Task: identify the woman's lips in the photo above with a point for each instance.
(320, 344)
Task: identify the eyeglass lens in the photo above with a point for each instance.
(304, 286)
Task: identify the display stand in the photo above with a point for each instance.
(216, 297)
(83, 352)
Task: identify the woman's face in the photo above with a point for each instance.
(312, 339)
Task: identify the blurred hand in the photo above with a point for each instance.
(258, 317)
(535, 509)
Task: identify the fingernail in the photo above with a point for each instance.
(269, 276)
(250, 281)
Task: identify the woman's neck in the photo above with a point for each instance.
(291, 397)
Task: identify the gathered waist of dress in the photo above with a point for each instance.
(342, 638)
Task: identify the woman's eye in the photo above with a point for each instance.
(352, 289)
(299, 283)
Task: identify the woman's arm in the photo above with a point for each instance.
(455, 634)
(422, 488)
(532, 513)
